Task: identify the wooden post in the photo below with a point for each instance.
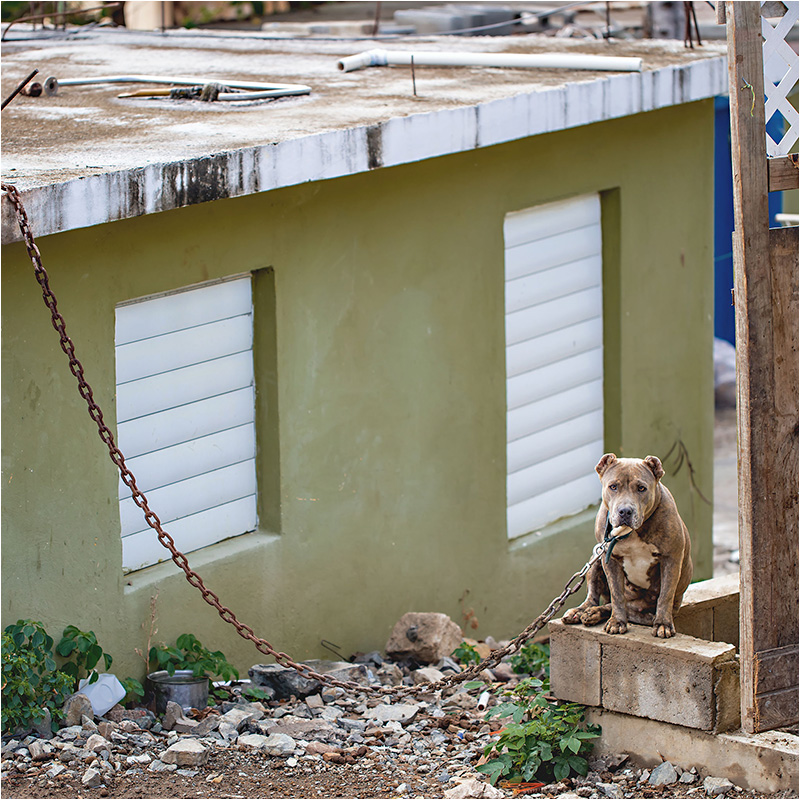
(765, 269)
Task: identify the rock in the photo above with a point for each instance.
(503, 672)
(238, 717)
(399, 712)
(257, 740)
(283, 681)
(39, 750)
(77, 706)
(427, 637)
(714, 787)
(160, 766)
(373, 659)
(688, 777)
(88, 724)
(315, 701)
(320, 748)
(138, 715)
(279, 744)
(55, 771)
(663, 775)
(473, 788)
(227, 731)
(185, 753)
(448, 664)
(176, 720)
(92, 778)
(210, 723)
(390, 674)
(95, 743)
(610, 790)
(307, 729)
(426, 675)
(43, 727)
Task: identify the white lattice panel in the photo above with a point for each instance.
(781, 73)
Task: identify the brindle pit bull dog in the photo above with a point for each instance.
(648, 571)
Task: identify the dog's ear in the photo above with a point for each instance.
(604, 463)
(655, 466)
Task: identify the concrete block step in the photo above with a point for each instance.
(683, 680)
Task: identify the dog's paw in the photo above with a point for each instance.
(572, 616)
(663, 630)
(594, 615)
(615, 625)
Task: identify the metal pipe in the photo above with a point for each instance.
(250, 90)
(18, 89)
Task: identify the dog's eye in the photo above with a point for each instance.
(642, 488)
(613, 487)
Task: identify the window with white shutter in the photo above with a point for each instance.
(554, 361)
(186, 416)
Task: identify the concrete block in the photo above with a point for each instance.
(574, 666)
(672, 680)
(763, 762)
(683, 680)
(697, 622)
(710, 610)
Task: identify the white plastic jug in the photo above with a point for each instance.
(104, 693)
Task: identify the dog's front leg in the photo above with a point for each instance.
(618, 623)
(663, 625)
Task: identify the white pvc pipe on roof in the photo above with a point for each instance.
(382, 58)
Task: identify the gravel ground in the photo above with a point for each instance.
(327, 745)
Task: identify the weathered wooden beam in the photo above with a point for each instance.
(782, 173)
(765, 273)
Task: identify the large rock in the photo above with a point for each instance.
(77, 706)
(663, 775)
(427, 637)
(185, 753)
(286, 682)
(398, 712)
(717, 786)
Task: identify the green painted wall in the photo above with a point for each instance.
(381, 391)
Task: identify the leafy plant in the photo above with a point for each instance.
(83, 647)
(545, 740)
(466, 653)
(31, 682)
(533, 659)
(256, 693)
(134, 691)
(189, 653)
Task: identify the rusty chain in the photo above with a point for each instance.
(180, 560)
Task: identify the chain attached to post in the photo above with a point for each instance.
(245, 631)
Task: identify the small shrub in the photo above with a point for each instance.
(134, 691)
(31, 681)
(466, 653)
(533, 659)
(545, 740)
(189, 653)
(82, 647)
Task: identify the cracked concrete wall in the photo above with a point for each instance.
(386, 394)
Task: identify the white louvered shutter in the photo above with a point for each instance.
(186, 417)
(554, 361)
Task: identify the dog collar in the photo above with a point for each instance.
(612, 539)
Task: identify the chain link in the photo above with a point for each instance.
(180, 560)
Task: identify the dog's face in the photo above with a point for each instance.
(630, 488)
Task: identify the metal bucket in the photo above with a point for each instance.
(182, 687)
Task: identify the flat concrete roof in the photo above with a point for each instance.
(85, 156)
